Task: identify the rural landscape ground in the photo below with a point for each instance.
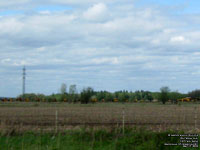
(46, 116)
(99, 75)
(65, 124)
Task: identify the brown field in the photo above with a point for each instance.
(60, 116)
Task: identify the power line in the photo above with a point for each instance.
(23, 82)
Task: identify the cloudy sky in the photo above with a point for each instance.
(108, 45)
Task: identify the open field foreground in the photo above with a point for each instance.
(92, 140)
(20, 117)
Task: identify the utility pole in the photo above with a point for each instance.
(23, 83)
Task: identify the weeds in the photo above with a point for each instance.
(91, 139)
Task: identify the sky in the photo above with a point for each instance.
(108, 45)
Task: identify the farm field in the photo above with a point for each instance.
(58, 117)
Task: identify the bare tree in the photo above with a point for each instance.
(73, 93)
(63, 88)
(72, 89)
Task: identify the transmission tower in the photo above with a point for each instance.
(23, 83)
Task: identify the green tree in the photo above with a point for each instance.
(86, 94)
(126, 95)
(174, 96)
(40, 96)
(138, 95)
(63, 96)
(122, 97)
(131, 96)
(109, 97)
(148, 96)
(164, 95)
(195, 94)
(100, 95)
(156, 95)
(29, 96)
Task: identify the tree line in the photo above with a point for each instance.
(89, 95)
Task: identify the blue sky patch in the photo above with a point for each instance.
(53, 8)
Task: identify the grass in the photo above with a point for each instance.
(91, 140)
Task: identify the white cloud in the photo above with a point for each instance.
(177, 39)
(5, 61)
(97, 12)
(46, 12)
(99, 38)
(41, 49)
(10, 26)
(105, 60)
(81, 2)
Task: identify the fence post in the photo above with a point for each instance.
(123, 118)
(175, 116)
(184, 119)
(195, 118)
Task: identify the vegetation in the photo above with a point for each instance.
(93, 139)
(88, 95)
(164, 94)
(63, 88)
(102, 96)
(194, 94)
